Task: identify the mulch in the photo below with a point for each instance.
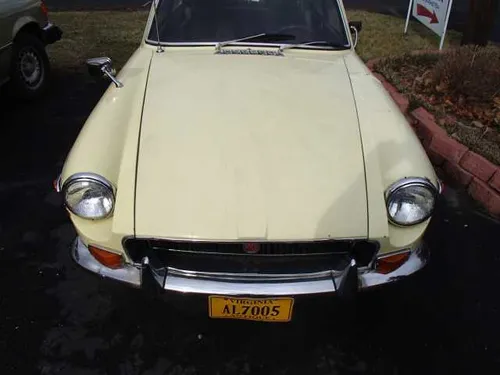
(472, 121)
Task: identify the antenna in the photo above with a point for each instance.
(159, 48)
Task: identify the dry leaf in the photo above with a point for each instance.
(442, 87)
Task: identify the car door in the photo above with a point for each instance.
(6, 19)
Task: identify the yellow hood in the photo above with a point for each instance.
(238, 147)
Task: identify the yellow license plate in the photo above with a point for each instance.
(261, 309)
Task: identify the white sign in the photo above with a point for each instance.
(432, 13)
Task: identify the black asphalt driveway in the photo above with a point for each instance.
(57, 319)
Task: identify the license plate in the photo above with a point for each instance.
(260, 309)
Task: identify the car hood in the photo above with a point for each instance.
(236, 147)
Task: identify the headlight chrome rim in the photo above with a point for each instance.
(88, 177)
(404, 183)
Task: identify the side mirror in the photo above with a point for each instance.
(100, 67)
(355, 28)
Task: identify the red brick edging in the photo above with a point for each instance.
(479, 176)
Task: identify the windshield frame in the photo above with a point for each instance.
(154, 43)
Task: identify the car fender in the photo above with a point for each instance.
(107, 145)
(22, 22)
(392, 151)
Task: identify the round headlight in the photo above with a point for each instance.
(89, 196)
(410, 201)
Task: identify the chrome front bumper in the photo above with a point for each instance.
(185, 281)
(128, 274)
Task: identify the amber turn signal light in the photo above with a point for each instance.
(106, 258)
(391, 263)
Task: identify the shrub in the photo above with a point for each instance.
(470, 71)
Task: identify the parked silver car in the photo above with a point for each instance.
(25, 31)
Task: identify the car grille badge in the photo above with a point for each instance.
(251, 248)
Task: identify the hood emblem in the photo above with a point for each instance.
(251, 248)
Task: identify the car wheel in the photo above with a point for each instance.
(30, 67)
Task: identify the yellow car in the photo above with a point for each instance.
(246, 153)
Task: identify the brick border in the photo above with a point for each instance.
(479, 176)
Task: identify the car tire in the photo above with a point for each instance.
(30, 67)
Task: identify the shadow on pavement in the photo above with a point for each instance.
(34, 140)
(35, 137)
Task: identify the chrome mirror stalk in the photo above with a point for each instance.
(102, 66)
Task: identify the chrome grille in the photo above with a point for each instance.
(272, 257)
(265, 248)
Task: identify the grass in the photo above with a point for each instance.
(117, 33)
(92, 34)
(382, 36)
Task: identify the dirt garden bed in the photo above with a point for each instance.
(461, 87)
(452, 99)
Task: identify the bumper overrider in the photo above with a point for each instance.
(51, 34)
(349, 278)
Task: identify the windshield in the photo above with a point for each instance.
(212, 21)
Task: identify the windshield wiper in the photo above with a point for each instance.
(320, 43)
(263, 37)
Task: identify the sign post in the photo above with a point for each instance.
(434, 14)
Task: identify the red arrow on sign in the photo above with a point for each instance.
(424, 12)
